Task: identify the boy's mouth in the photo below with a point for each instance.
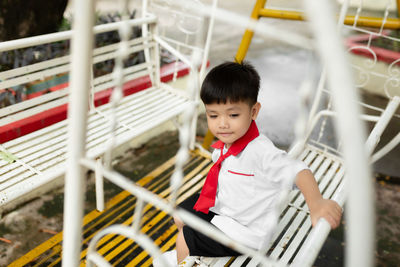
(224, 134)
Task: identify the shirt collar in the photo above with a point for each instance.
(242, 142)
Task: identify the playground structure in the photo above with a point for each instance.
(325, 162)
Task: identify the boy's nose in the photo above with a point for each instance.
(223, 123)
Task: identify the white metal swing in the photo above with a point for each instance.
(344, 98)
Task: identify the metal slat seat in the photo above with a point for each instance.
(291, 232)
(45, 150)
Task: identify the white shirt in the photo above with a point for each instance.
(248, 187)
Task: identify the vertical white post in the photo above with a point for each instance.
(380, 126)
(208, 41)
(360, 234)
(81, 49)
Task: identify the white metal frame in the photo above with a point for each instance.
(40, 156)
(344, 98)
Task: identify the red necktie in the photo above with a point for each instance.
(209, 191)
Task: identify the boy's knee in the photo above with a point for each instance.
(179, 223)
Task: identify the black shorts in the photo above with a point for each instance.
(198, 243)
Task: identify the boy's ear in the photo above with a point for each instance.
(255, 109)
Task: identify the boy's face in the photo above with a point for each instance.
(228, 122)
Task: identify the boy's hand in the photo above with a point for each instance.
(327, 209)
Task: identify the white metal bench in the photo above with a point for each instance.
(36, 160)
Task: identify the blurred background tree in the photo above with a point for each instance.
(24, 18)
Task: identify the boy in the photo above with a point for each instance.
(242, 188)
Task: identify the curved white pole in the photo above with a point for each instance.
(360, 193)
(82, 48)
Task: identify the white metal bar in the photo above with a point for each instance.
(34, 67)
(130, 73)
(19, 176)
(176, 53)
(39, 71)
(238, 261)
(259, 27)
(13, 193)
(81, 62)
(99, 182)
(32, 161)
(162, 117)
(310, 157)
(34, 76)
(30, 154)
(294, 245)
(386, 149)
(137, 218)
(380, 126)
(303, 230)
(304, 153)
(317, 236)
(132, 117)
(123, 134)
(208, 41)
(155, 56)
(60, 61)
(32, 102)
(97, 259)
(55, 37)
(32, 111)
(287, 235)
(360, 249)
(330, 113)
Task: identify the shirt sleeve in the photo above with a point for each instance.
(281, 168)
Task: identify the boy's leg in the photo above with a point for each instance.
(182, 249)
(190, 241)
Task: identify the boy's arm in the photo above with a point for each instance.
(318, 206)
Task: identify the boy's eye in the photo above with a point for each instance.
(234, 115)
(212, 116)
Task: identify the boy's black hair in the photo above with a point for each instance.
(231, 82)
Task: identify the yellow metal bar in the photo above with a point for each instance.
(158, 241)
(248, 34)
(374, 22)
(201, 153)
(113, 247)
(149, 232)
(281, 14)
(390, 23)
(240, 55)
(398, 8)
(208, 139)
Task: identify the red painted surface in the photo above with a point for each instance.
(38, 121)
(52, 89)
(382, 54)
